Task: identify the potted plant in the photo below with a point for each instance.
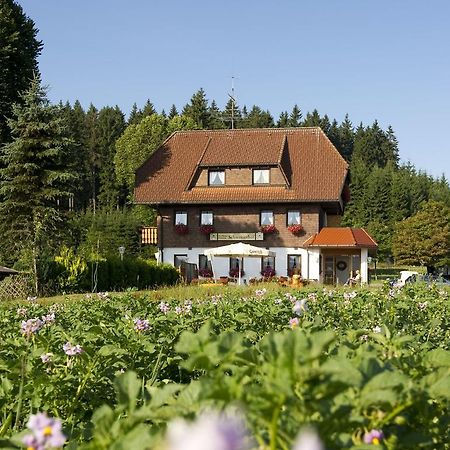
(206, 229)
(295, 229)
(269, 229)
(181, 228)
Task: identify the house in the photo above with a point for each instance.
(274, 188)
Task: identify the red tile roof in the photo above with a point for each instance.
(341, 237)
(314, 169)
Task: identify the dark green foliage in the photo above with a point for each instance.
(198, 109)
(216, 120)
(173, 112)
(35, 180)
(283, 121)
(19, 50)
(257, 118)
(295, 117)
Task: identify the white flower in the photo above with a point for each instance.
(211, 431)
(376, 329)
(300, 306)
(308, 439)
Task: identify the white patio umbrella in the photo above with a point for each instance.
(239, 250)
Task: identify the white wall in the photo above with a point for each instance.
(364, 266)
(252, 266)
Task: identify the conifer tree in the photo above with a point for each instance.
(19, 50)
(257, 118)
(34, 181)
(215, 121)
(93, 152)
(197, 109)
(135, 115)
(111, 124)
(173, 112)
(148, 109)
(346, 139)
(283, 120)
(295, 118)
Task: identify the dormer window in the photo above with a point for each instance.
(216, 177)
(261, 176)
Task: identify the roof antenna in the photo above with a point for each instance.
(233, 102)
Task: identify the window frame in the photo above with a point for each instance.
(293, 211)
(263, 266)
(211, 171)
(238, 263)
(266, 169)
(299, 265)
(178, 255)
(208, 262)
(201, 217)
(266, 211)
(175, 218)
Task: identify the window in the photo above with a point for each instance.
(178, 259)
(234, 267)
(216, 177)
(266, 218)
(268, 262)
(293, 218)
(181, 218)
(294, 265)
(261, 176)
(204, 267)
(206, 218)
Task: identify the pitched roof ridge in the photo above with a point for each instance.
(198, 164)
(334, 148)
(353, 235)
(249, 130)
(369, 236)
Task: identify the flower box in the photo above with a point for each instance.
(268, 272)
(269, 229)
(296, 229)
(180, 228)
(206, 229)
(234, 273)
(205, 273)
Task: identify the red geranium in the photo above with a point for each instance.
(295, 229)
(206, 229)
(269, 229)
(205, 273)
(181, 228)
(234, 273)
(268, 272)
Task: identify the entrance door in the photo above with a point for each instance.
(342, 269)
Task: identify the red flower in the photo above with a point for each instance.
(181, 228)
(235, 273)
(269, 229)
(268, 272)
(295, 229)
(205, 273)
(206, 229)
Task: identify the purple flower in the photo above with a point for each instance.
(261, 292)
(178, 310)
(164, 307)
(72, 350)
(49, 318)
(312, 296)
(46, 433)
(46, 357)
(294, 322)
(31, 326)
(300, 306)
(290, 297)
(141, 325)
(350, 295)
(373, 437)
(210, 431)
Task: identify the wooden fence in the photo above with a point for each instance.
(18, 286)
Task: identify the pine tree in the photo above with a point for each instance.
(295, 118)
(93, 152)
(111, 124)
(346, 139)
(135, 115)
(173, 112)
(34, 180)
(197, 109)
(19, 50)
(215, 121)
(232, 117)
(283, 121)
(257, 118)
(148, 109)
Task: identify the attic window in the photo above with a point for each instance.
(261, 176)
(216, 177)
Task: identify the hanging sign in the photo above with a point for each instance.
(236, 237)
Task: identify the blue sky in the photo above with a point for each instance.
(384, 59)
